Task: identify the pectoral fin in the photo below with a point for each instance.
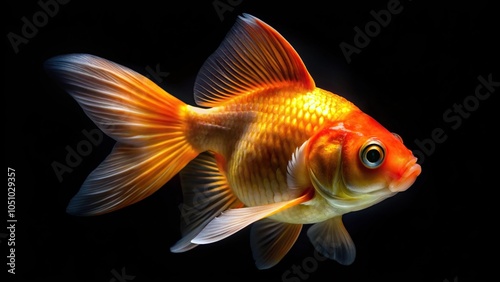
(331, 239)
(233, 220)
(297, 175)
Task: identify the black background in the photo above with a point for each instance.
(426, 60)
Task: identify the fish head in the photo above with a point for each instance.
(357, 162)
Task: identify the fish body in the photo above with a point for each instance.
(263, 147)
(257, 135)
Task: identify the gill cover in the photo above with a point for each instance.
(324, 160)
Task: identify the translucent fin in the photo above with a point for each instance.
(206, 194)
(271, 240)
(147, 122)
(125, 105)
(331, 239)
(233, 220)
(252, 57)
(128, 175)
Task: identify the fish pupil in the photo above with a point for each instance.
(373, 155)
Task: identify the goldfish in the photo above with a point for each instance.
(263, 147)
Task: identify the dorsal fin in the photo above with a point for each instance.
(252, 57)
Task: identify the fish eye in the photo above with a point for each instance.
(398, 137)
(372, 154)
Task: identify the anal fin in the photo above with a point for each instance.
(206, 194)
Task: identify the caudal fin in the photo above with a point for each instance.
(147, 123)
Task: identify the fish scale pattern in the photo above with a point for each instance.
(258, 133)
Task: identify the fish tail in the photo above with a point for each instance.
(148, 124)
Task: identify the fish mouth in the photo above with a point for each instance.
(412, 170)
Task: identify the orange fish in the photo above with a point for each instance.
(265, 147)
